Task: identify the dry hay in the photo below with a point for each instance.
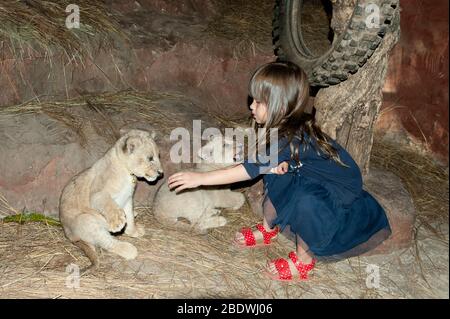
(171, 264)
(177, 264)
(424, 178)
(247, 23)
(427, 182)
(35, 27)
(144, 105)
(315, 27)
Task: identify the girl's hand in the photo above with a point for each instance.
(281, 169)
(184, 180)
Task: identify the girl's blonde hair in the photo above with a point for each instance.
(284, 88)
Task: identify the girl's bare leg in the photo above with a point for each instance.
(269, 215)
(303, 252)
(266, 225)
(239, 238)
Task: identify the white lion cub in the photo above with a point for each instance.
(200, 206)
(99, 201)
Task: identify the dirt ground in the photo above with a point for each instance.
(38, 262)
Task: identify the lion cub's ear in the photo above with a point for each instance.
(129, 131)
(130, 144)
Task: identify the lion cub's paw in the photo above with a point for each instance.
(212, 222)
(137, 231)
(117, 221)
(125, 250)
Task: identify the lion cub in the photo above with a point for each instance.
(200, 206)
(99, 201)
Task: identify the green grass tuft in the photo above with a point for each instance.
(31, 217)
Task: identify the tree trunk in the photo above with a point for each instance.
(348, 111)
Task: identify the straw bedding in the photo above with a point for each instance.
(34, 254)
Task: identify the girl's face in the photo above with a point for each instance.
(259, 111)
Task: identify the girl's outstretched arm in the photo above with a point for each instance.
(229, 175)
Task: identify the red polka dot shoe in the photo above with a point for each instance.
(249, 237)
(284, 272)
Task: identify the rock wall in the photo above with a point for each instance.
(416, 90)
(169, 50)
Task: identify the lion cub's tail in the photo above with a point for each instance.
(90, 252)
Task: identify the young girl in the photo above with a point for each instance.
(315, 196)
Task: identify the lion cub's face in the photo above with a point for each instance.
(220, 150)
(141, 155)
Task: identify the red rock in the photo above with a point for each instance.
(388, 189)
(166, 53)
(416, 91)
(202, 8)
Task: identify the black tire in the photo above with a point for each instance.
(348, 52)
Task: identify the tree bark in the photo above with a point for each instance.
(348, 111)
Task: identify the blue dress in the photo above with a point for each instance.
(322, 202)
